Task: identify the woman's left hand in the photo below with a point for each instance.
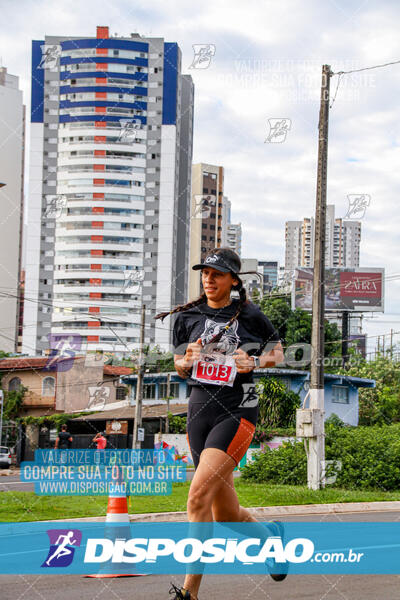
(244, 362)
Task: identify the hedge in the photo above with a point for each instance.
(370, 458)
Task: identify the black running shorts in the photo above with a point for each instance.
(227, 423)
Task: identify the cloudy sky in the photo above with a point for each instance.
(267, 65)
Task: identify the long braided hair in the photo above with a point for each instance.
(203, 298)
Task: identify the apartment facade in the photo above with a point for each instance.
(206, 217)
(269, 271)
(12, 135)
(342, 242)
(111, 148)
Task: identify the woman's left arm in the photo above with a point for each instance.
(272, 358)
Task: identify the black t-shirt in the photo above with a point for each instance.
(64, 439)
(253, 332)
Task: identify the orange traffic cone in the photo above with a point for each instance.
(117, 512)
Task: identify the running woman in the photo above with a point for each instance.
(218, 342)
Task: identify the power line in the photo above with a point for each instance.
(395, 62)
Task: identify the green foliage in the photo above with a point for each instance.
(278, 310)
(176, 424)
(55, 420)
(256, 296)
(370, 458)
(379, 405)
(335, 421)
(13, 402)
(294, 326)
(286, 464)
(277, 404)
(263, 434)
(299, 327)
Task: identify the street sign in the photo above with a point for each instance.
(140, 434)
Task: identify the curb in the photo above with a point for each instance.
(263, 513)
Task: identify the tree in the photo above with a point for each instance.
(295, 326)
(379, 405)
(256, 296)
(278, 310)
(277, 404)
(299, 328)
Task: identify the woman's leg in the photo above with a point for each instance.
(226, 508)
(226, 505)
(213, 472)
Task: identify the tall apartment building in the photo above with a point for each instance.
(206, 217)
(109, 206)
(231, 236)
(12, 136)
(234, 237)
(342, 243)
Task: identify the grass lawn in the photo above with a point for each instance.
(26, 506)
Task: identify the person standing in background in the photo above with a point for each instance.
(100, 440)
(64, 439)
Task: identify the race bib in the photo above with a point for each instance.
(217, 369)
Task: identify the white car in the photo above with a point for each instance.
(5, 457)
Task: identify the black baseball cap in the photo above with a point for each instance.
(221, 259)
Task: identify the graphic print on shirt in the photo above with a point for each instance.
(250, 396)
(229, 340)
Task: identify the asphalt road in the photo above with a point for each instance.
(214, 587)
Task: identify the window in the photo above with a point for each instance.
(48, 386)
(173, 390)
(120, 392)
(14, 384)
(340, 394)
(149, 391)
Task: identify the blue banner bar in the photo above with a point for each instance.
(219, 548)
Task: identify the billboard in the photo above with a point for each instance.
(355, 289)
(359, 342)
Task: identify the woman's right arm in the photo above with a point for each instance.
(184, 362)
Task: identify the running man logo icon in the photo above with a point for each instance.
(250, 396)
(62, 547)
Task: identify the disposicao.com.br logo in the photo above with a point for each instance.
(192, 550)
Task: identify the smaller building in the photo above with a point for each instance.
(64, 384)
(341, 391)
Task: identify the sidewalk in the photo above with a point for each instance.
(12, 471)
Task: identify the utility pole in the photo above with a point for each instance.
(168, 393)
(139, 385)
(345, 337)
(310, 422)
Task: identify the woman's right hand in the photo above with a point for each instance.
(192, 353)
